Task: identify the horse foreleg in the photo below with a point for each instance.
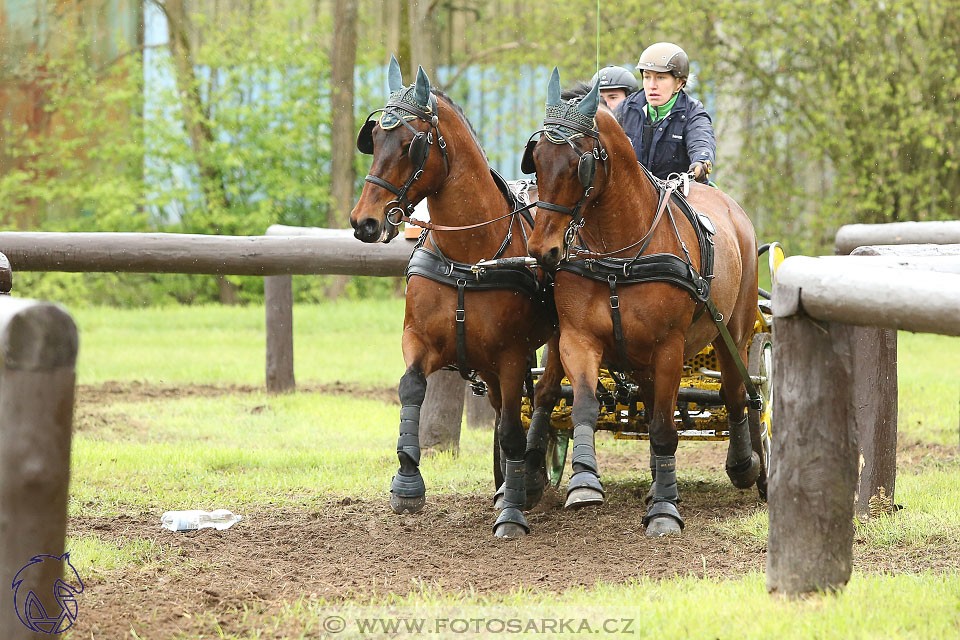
(663, 516)
(743, 463)
(407, 489)
(582, 365)
(511, 522)
(545, 396)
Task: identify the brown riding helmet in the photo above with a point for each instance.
(665, 57)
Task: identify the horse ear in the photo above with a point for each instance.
(553, 88)
(421, 92)
(394, 77)
(590, 102)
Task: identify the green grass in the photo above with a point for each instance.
(355, 341)
(929, 380)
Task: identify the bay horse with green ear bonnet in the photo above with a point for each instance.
(472, 302)
(643, 283)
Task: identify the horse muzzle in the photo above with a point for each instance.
(548, 259)
(367, 229)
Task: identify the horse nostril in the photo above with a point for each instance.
(553, 257)
(367, 230)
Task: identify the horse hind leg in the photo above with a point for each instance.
(743, 463)
(545, 397)
(407, 489)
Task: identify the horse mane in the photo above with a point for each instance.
(578, 90)
(459, 111)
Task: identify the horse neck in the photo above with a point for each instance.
(468, 195)
(624, 211)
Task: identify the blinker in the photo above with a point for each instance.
(365, 137)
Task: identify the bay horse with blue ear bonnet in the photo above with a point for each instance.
(644, 281)
(472, 301)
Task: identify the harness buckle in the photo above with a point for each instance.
(614, 302)
(756, 403)
(429, 137)
(441, 142)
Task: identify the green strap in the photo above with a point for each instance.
(753, 396)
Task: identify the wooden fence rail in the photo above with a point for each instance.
(38, 347)
(851, 236)
(817, 304)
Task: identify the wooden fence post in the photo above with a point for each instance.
(442, 412)
(875, 386)
(6, 275)
(480, 415)
(38, 347)
(278, 300)
(813, 469)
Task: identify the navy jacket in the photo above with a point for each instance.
(683, 137)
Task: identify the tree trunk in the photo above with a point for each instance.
(343, 125)
(195, 123)
(422, 40)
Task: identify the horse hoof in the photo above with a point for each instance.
(509, 530)
(663, 526)
(745, 475)
(407, 505)
(583, 497)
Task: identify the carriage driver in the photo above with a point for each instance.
(616, 83)
(670, 131)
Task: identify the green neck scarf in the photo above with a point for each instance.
(659, 113)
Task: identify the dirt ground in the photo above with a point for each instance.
(359, 548)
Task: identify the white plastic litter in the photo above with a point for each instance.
(192, 520)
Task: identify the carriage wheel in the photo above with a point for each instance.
(557, 446)
(761, 364)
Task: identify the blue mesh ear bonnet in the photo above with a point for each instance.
(567, 111)
(390, 118)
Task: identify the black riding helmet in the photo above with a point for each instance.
(614, 77)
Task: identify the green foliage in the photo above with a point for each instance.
(839, 112)
(75, 169)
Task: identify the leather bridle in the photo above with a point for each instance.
(586, 171)
(401, 207)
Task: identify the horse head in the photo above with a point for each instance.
(571, 163)
(403, 171)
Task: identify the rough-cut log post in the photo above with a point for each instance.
(875, 396)
(813, 468)
(278, 299)
(442, 411)
(38, 348)
(6, 276)
(480, 415)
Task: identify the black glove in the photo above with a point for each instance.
(701, 171)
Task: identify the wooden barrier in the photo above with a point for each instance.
(442, 412)
(38, 346)
(188, 253)
(6, 275)
(813, 473)
(851, 236)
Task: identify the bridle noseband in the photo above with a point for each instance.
(586, 171)
(418, 153)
